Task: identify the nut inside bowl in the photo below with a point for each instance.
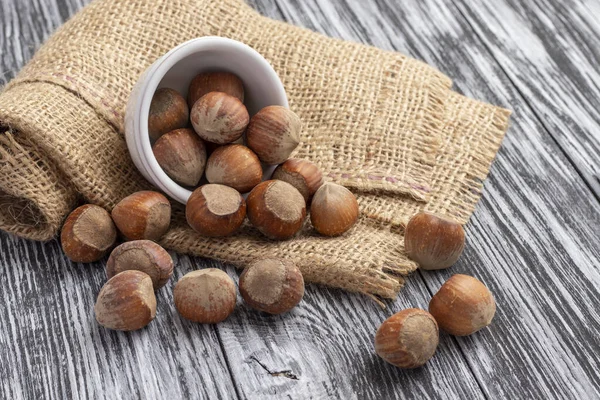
(175, 70)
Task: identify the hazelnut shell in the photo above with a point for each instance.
(207, 82)
(88, 233)
(433, 241)
(272, 285)
(276, 209)
(168, 111)
(182, 155)
(207, 296)
(463, 305)
(143, 215)
(408, 339)
(219, 118)
(126, 302)
(333, 210)
(301, 174)
(141, 255)
(235, 166)
(215, 210)
(274, 133)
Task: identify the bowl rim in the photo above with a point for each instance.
(150, 82)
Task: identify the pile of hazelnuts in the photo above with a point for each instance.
(461, 307)
(139, 266)
(224, 151)
(213, 150)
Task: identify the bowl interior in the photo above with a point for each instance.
(261, 89)
(176, 70)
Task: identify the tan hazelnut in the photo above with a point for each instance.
(463, 305)
(182, 155)
(272, 285)
(219, 118)
(87, 234)
(434, 242)
(334, 210)
(143, 215)
(215, 210)
(235, 166)
(207, 82)
(141, 255)
(276, 209)
(407, 339)
(274, 133)
(206, 296)
(168, 111)
(126, 302)
(301, 174)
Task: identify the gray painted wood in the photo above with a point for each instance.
(551, 51)
(533, 240)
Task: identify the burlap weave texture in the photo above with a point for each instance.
(379, 122)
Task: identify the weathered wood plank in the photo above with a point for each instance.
(550, 51)
(324, 349)
(52, 347)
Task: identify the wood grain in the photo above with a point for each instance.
(550, 51)
(533, 241)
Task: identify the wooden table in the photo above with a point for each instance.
(534, 238)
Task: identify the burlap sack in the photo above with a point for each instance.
(374, 121)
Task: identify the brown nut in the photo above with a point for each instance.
(235, 166)
(463, 305)
(141, 255)
(206, 296)
(433, 241)
(207, 82)
(87, 234)
(334, 210)
(182, 155)
(219, 118)
(276, 209)
(215, 210)
(126, 302)
(301, 174)
(272, 285)
(274, 133)
(407, 339)
(168, 111)
(143, 215)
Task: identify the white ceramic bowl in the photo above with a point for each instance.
(175, 70)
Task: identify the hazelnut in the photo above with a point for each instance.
(182, 155)
(407, 339)
(433, 241)
(215, 210)
(334, 210)
(272, 285)
(126, 302)
(219, 118)
(143, 215)
(463, 305)
(211, 147)
(225, 82)
(235, 166)
(87, 234)
(206, 296)
(141, 255)
(276, 209)
(274, 133)
(168, 111)
(301, 174)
